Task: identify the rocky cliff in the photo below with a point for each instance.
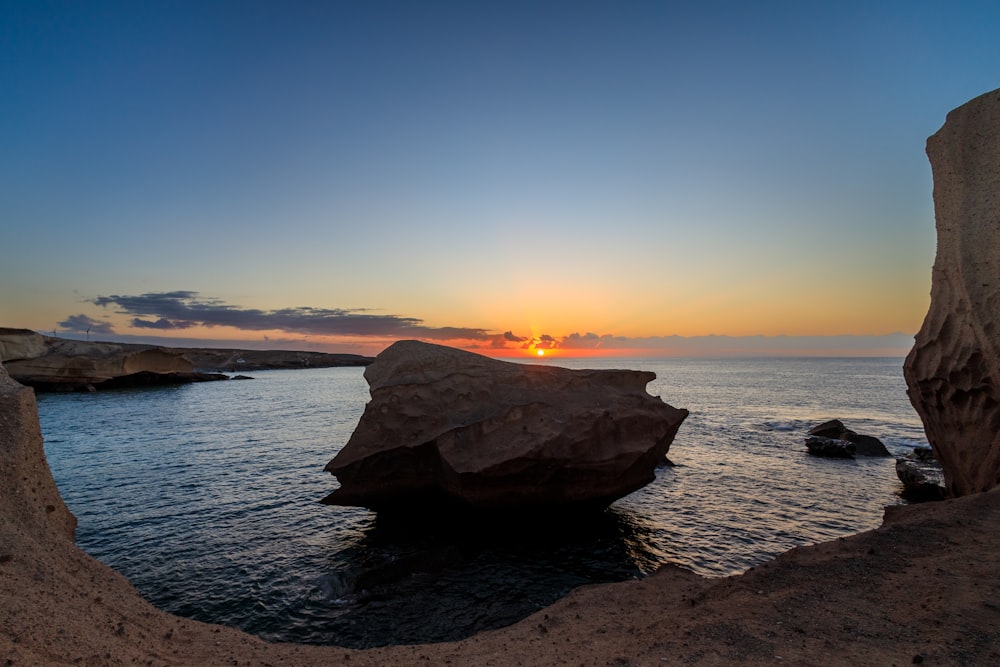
(49, 363)
(953, 370)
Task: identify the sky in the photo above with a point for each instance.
(575, 178)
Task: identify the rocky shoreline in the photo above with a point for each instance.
(48, 363)
(921, 588)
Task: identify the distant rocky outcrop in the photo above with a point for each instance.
(953, 370)
(832, 438)
(229, 360)
(450, 428)
(70, 365)
(48, 363)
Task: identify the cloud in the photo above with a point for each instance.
(591, 341)
(162, 323)
(85, 324)
(185, 309)
(362, 328)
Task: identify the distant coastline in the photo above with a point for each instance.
(223, 360)
(48, 363)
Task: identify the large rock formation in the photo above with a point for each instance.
(57, 364)
(953, 370)
(452, 427)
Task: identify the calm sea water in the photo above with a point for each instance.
(205, 497)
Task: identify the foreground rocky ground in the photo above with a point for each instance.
(923, 588)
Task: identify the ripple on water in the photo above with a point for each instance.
(205, 497)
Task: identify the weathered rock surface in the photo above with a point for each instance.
(450, 427)
(69, 365)
(28, 493)
(20, 344)
(862, 445)
(922, 479)
(953, 370)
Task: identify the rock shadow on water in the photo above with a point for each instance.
(412, 580)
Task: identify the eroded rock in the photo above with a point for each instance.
(953, 370)
(56, 364)
(922, 477)
(862, 445)
(448, 427)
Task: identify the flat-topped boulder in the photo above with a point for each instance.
(953, 370)
(446, 427)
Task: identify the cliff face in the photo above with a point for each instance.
(20, 344)
(953, 370)
(28, 493)
(55, 363)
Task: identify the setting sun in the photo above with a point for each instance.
(540, 353)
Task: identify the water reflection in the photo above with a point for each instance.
(476, 574)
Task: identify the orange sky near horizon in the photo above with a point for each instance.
(619, 181)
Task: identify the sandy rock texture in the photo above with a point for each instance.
(953, 370)
(449, 427)
(60, 364)
(20, 344)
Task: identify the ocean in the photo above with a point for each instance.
(206, 497)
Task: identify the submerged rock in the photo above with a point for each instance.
(953, 370)
(451, 428)
(863, 445)
(830, 447)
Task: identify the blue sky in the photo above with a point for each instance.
(461, 171)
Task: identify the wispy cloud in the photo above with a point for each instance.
(85, 324)
(185, 309)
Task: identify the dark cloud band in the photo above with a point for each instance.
(185, 309)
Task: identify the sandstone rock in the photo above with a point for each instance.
(864, 445)
(953, 370)
(448, 427)
(20, 344)
(67, 365)
(28, 494)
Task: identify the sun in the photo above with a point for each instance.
(540, 352)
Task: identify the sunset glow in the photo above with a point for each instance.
(512, 181)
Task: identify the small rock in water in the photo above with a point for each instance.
(864, 445)
(830, 448)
